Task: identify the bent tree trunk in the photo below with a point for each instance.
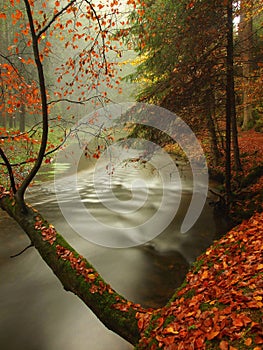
(76, 274)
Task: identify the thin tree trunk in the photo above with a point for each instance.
(212, 130)
(230, 101)
(22, 119)
(245, 34)
(11, 123)
(237, 160)
(41, 78)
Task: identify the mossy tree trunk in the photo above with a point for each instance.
(76, 274)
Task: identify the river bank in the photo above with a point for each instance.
(220, 304)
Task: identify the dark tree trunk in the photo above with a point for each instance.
(42, 86)
(231, 122)
(237, 161)
(230, 101)
(22, 119)
(245, 35)
(212, 130)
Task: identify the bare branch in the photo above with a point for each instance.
(74, 101)
(101, 32)
(59, 13)
(22, 251)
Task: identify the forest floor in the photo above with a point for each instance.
(220, 304)
(249, 191)
(247, 184)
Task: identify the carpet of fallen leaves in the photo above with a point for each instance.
(251, 148)
(220, 305)
(249, 195)
(247, 185)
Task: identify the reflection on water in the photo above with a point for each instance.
(37, 314)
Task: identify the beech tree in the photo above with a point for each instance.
(171, 327)
(94, 25)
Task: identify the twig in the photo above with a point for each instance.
(22, 251)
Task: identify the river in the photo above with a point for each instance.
(36, 312)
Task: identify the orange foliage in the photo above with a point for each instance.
(87, 33)
(16, 91)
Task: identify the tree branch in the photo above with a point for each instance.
(41, 78)
(59, 13)
(73, 101)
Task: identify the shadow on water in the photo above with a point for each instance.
(37, 314)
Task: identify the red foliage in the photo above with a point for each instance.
(48, 232)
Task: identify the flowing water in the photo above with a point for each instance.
(36, 312)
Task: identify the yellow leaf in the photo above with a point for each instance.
(91, 276)
(171, 330)
(205, 274)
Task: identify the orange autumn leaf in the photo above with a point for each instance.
(205, 274)
(17, 15)
(248, 341)
(223, 345)
(211, 335)
(258, 340)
